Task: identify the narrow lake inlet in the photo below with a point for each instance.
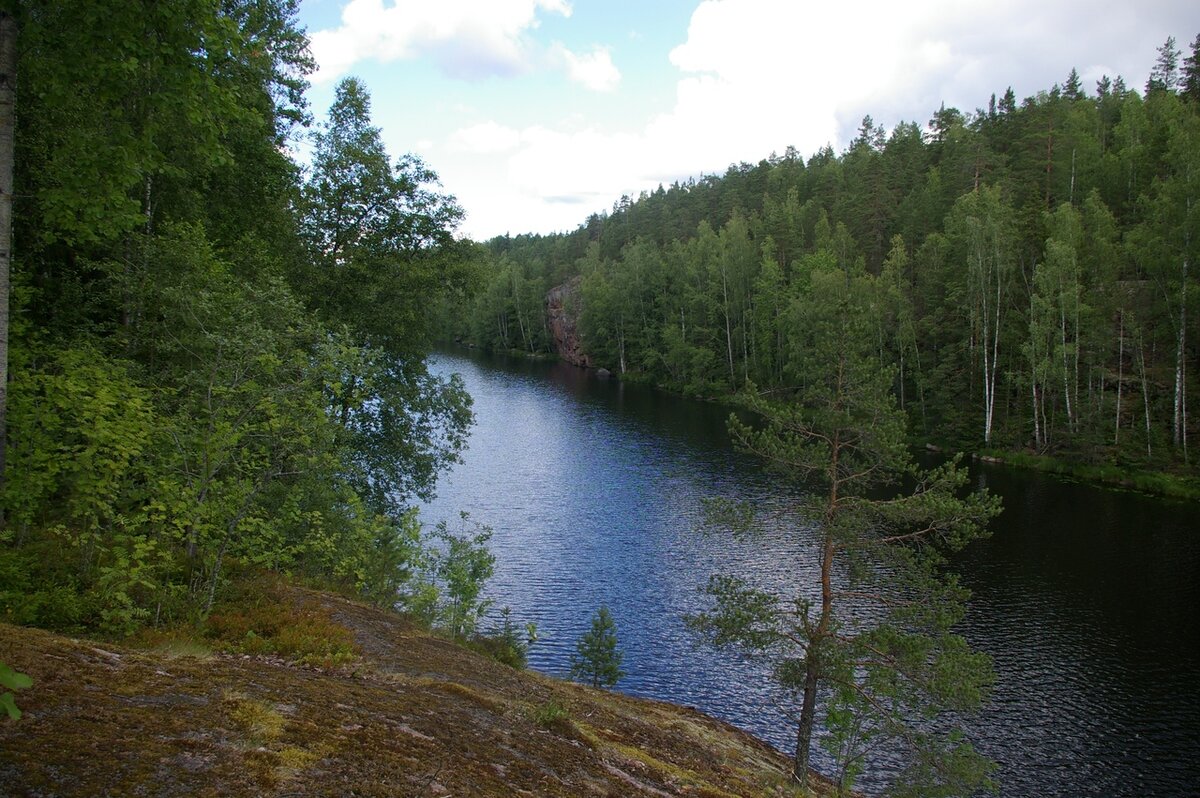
(1084, 597)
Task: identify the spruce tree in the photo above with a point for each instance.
(1189, 85)
(597, 660)
(1165, 74)
(1073, 90)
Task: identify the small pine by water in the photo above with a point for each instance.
(1085, 597)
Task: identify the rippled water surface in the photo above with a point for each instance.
(1087, 599)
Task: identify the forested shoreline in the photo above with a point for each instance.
(1027, 265)
(215, 356)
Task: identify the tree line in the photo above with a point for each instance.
(1028, 264)
(215, 357)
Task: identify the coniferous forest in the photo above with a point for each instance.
(1027, 265)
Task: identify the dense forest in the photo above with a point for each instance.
(215, 358)
(1028, 264)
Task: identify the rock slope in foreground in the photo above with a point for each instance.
(414, 716)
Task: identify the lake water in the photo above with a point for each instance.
(1086, 598)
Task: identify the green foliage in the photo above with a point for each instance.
(38, 588)
(79, 426)
(505, 643)
(11, 680)
(380, 238)
(189, 392)
(733, 515)
(597, 660)
(552, 715)
(81, 433)
(455, 567)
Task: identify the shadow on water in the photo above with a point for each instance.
(1086, 598)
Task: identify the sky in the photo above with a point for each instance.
(538, 113)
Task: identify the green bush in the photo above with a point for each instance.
(259, 619)
(505, 644)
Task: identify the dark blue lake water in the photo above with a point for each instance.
(1086, 598)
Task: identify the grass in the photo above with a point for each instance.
(1157, 483)
(173, 643)
(259, 721)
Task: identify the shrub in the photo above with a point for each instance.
(505, 644)
(551, 715)
(273, 623)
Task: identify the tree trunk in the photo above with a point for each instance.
(728, 331)
(1078, 346)
(808, 711)
(1033, 381)
(1071, 196)
(995, 353)
(1037, 424)
(8, 100)
(1065, 369)
(1120, 376)
(1145, 391)
(1180, 421)
(812, 664)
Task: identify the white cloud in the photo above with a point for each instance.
(466, 38)
(758, 75)
(485, 139)
(594, 69)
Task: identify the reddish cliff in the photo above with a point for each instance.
(562, 313)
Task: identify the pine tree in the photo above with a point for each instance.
(1008, 103)
(597, 660)
(842, 437)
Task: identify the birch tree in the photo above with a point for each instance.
(980, 225)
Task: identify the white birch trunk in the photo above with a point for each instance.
(1120, 376)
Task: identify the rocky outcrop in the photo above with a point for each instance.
(411, 714)
(562, 314)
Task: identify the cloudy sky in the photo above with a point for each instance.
(536, 113)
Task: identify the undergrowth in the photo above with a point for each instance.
(1158, 483)
(257, 617)
(552, 715)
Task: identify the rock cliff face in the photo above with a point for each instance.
(562, 314)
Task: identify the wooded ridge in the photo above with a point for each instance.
(1029, 265)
